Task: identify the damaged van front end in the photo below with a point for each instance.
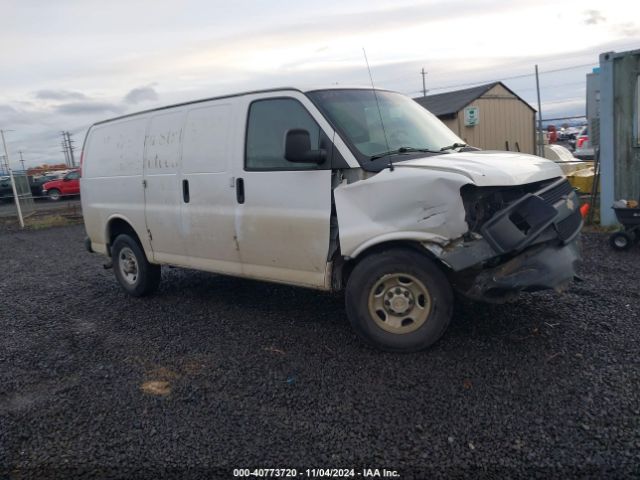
(426, 216)
(500, 223)
(520, 239)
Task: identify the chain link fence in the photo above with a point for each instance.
(30, 200)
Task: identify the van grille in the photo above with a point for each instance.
(555, 194)
(567, 227)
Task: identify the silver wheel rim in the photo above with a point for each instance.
(620, 241)
(399, 303)
(54, 195)
(128, 265)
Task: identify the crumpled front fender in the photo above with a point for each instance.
(407, 204)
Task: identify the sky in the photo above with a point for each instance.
(69, 63)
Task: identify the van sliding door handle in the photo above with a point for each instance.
(240, 190)
(185, 191)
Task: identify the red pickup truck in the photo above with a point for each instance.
(64, 187)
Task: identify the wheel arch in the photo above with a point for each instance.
(54, 189)
(117, 225)
(412, 244)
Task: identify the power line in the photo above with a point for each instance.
(513, 77)
(565, 100)
(555, 85)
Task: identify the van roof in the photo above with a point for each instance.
(249, 92)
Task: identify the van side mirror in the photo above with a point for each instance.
(297, 148)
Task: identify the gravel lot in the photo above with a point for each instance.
(215, 373)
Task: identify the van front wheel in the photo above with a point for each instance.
(399, 301)
(133, 271)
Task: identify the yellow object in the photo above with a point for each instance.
(632, 204)
(582, 179)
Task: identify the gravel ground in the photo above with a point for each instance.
(216, 373)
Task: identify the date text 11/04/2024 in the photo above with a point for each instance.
(316, 473)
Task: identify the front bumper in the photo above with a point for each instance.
(540, 268)
(530, 245)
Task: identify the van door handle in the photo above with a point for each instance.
(185, 191)
(240, 190)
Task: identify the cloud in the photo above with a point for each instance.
(628, 29)
(141, 94)
(59, 95)
(11, 117)
(594, 17)
(87, 108)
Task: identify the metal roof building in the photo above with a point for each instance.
(490, 117)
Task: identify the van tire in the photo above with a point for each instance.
(397, 283)
(133, 271)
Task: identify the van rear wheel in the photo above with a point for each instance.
(399, 300)
(133, 271)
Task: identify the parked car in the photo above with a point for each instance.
(568, 134)
(37, 183)
(335, 189)
(67, 186)
(583, 149)
(6, 191)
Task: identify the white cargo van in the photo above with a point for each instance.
(339, 188)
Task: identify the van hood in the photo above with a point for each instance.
(490, 168)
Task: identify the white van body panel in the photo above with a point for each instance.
(211, 136)
(491, 168)
(281, 233)
(283, 226)
(111, 183)
(163, 197)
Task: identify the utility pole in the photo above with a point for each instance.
(22, 162)
(540, 134)
(65, 149)
(424, 84)
(71, 148)
(66, 154)
(13, 181)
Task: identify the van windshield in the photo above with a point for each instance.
(410, 129)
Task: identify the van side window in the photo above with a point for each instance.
(268, 123)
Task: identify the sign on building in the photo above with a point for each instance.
(471, 116)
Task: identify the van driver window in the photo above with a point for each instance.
(268, 123)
